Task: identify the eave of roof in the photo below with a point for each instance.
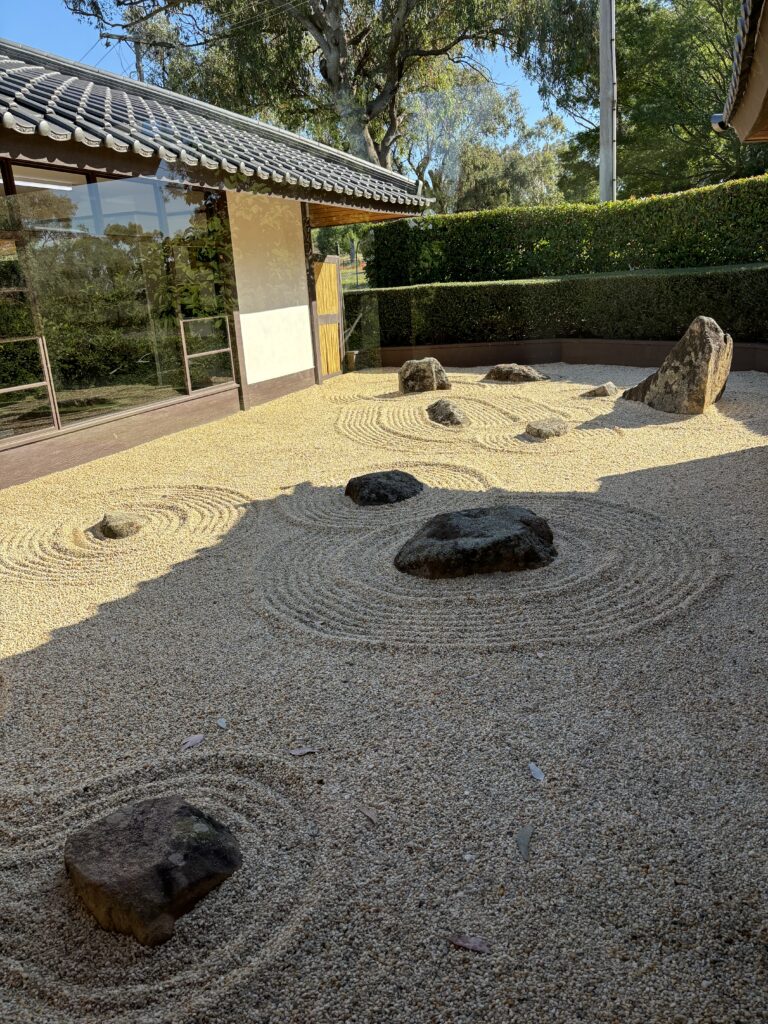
(743, 50)
(65, 101)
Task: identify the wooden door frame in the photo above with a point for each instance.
(333, 318)
(309, 269)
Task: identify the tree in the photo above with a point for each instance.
(525, 172)
(674, 67)
(339, 67)
(457, 108)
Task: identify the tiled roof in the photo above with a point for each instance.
(743, 49)
(65, 101)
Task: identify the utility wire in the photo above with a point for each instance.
(88, 51)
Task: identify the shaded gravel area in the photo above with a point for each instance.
(632, 671)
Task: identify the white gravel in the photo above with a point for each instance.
(631, 672)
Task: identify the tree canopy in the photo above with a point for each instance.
(674, 66)
(339, 67)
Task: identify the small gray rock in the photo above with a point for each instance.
(602, 391)
(504, 538)
(447, 413)
(422, 375)
(118, 525)
(694, 374)
(383, 488)
(148, 863)
(553, 427)
(514, 373)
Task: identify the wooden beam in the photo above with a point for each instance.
(311, 291)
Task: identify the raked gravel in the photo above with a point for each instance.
(632, 672)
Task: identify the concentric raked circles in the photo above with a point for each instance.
(619, 570)
(496, 424)
(329, 508)
(59, 963)
(177, 519)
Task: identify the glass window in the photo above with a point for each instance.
(206, 334)
(208, 370)
(57, 198)
(115, 266)
(20, 363)
(24, 411)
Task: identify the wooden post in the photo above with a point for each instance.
(313, 325)
(607, 101)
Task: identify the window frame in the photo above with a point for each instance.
(57, 429)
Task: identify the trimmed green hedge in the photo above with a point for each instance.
(704, 227)
(643, 305)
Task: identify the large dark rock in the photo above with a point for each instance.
(447, 413)
(146, 864)
(694, 374)
(118, 525)
(478, 540)
(422, 375)
(514, 373)
(383, 488)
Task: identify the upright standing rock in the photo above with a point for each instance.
(423, 375)
(694, 374)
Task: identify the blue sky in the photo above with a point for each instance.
(48, 25)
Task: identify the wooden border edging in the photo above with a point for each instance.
(611, 351)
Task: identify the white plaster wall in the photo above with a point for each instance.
(268, 249)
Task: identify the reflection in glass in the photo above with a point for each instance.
(206, 334)
(207, 371)
(20, 363)
(115, 266)
(24, 411)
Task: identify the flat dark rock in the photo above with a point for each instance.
(505, 538)
(447, 413)
(383, 488)
(514, 373)
(148, 863)
(117, 525)
(422, 375)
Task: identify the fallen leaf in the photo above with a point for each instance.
(523, 839)
(370, 814)
(222, 723)
(474, 943)
(192, 741)
(536, 772)
(301, 751)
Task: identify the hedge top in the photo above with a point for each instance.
(711, 226)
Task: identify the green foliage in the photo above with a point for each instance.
(643, 305)
(673, 70)
(339, 69)
(523, 173)
(704, 227)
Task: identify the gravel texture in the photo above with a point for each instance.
(374, 760)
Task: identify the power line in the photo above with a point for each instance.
(88, 51)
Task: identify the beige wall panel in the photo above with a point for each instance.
(268, 249)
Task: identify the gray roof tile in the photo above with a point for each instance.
(62, 100)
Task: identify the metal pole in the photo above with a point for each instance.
(607, 100)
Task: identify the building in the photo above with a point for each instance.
(746, 106)
(155, 260)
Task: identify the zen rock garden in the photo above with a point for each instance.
(148, 863)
